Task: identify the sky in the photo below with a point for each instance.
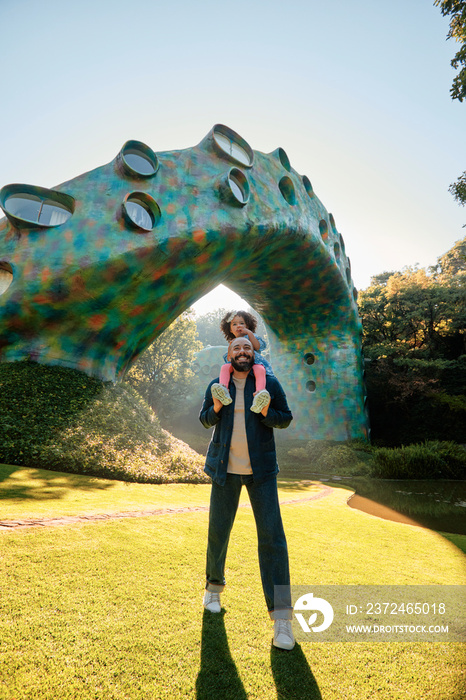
(355, 91)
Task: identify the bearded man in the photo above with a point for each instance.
(242, 452)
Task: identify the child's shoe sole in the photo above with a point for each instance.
(260, 401)
(221, 393)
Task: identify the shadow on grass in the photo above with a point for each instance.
(218, 676)
(48, 485)
(292, 675)
(299, 484)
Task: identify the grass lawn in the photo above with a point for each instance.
(112, 610)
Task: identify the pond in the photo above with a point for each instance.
(438, 505)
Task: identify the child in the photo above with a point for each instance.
(235, 325)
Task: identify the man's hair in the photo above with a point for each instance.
(249, 319)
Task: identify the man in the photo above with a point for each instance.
(242, 451)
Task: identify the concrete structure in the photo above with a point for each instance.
(94, 270)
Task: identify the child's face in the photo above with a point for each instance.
(238, 326)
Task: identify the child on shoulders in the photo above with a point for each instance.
(237, 324)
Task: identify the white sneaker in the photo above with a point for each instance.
(261, 400)
(212, 601)
(221, 393)
(283, 636)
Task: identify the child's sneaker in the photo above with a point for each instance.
(261, 400)
(221, 393)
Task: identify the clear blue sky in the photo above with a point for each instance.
(355, 91)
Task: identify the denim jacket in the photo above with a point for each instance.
(259, 430)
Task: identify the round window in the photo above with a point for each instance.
(239, 186)
(310, 386)
(138, 159)
(141, 211)
(231, 144)
(309, 358)
(27, 205)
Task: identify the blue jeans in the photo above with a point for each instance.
(272, 547)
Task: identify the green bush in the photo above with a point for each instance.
(325, 457)
(430, 460)
(61, 419)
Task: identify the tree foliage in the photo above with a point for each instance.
(452, 262)
(208, 328)
(414, 342)
(416, 314)
(458, 189)
(456, 10)
(162, 374)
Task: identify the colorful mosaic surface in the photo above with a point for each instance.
(94, 270)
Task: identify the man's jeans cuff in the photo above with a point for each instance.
(281, 614)
(214, 587)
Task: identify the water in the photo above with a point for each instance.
(438, 505)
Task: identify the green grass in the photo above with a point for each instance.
(31, 493)
(112, 610)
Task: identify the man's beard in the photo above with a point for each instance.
(243, 365)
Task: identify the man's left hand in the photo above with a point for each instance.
(266, 408)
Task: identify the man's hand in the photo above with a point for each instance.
(218, 405)
(265, 410)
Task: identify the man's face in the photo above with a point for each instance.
(241, 354)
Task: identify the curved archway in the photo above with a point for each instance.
(96, 290)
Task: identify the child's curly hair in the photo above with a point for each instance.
(249, 319)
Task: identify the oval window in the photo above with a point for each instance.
(27, 205)
(141, 211)
(308, 186)
(287, 189)
(284, 160)
(6, 276)
(138, 159)
(239, 186)
(231, 144)
(323, 228)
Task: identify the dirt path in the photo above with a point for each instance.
(10, 525)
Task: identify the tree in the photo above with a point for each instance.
(452, 262)
(162, 374)
(414, 341)
(456, 9)
(414, 314)
(208, 328)
(458, 189)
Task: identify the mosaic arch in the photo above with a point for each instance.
(92, 271)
